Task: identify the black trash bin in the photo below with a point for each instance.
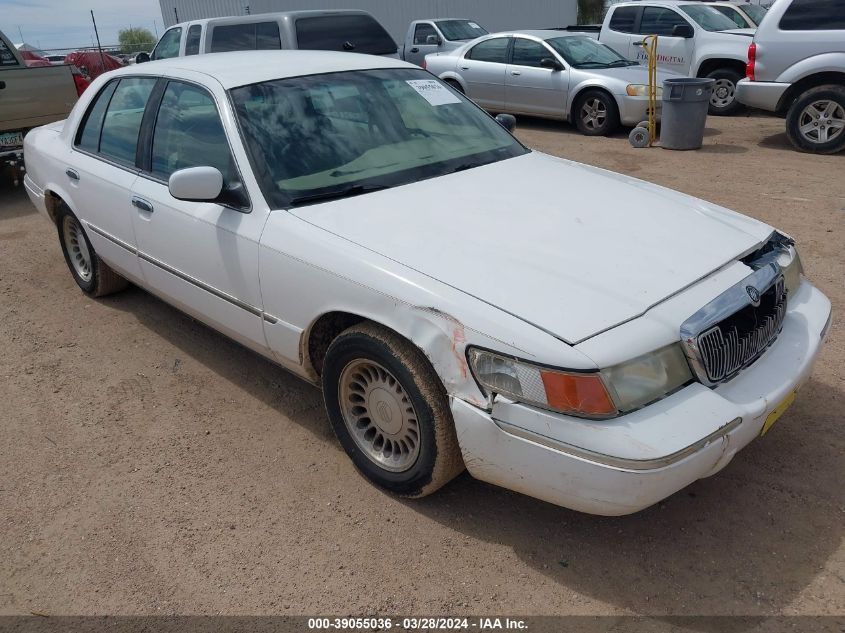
(685, 103)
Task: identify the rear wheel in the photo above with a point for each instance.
(723, 100)
(90, 273)
(596, 113)
(390, 412)
(816, 120)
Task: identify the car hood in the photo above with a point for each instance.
(570, 248)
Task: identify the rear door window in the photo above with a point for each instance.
(245, 37)
(192, 41)
(351, 32)
(168, 45)
(623, 19)
(88, 137)
(814, 15)
(492, 50)
(119, 137)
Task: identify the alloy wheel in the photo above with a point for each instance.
(77, 248)
(379, 415)
(594, 113)
(822, 121)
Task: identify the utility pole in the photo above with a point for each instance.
(176, 13)
(99, 47)
(20, 33)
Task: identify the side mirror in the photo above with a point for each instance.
(196, 184)
(434, 40)
(507, 121)
(683, 30)
(548, 62)
(142, 57)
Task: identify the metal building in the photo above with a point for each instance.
(395, 15)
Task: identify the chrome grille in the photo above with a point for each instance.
(737, 327)
(728, 347)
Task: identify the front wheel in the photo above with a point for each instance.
(816, 120)
(90, 273)
(389, 411)
(723, 99)
(596, 113)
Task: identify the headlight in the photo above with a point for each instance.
(790, 264)
(648, 377)
(641, 90)
(567, 392)
(603, 394)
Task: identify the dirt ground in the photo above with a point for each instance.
(150, 465)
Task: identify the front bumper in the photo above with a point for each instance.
(765, 95)
(623, 465)
(632, 110)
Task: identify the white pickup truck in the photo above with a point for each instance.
(437, 36)
(693, 39)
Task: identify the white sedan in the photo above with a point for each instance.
(464, 302)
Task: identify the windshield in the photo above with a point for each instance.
(585, 52)
(708, 18)
(755, 12)
(347, 133)
(460, 29)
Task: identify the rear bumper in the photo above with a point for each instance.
(625, 465)
(765, 95)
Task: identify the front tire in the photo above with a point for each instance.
(816, 120)
(94, 277)
(723, 100)
(596, 113)
(390, 411)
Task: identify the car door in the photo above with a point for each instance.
(200, 256)
(102, 169)
(483, 70)
(673, 53)
(420, 46)
(621, 32)
(530, 88)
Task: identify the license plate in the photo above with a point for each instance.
(11, 139)
(777, 412)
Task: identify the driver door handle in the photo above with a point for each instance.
(2, 85)
(515, 72)
(143, 205)
(415, 50)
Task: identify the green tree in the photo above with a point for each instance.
(135, 40)
(590, 11)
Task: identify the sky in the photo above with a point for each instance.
(49, 24)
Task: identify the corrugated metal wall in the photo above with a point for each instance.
(395, 15)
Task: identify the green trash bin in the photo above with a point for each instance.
(684, 112)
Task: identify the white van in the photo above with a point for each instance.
(352, 31)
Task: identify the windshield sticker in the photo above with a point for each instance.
(473, 25)
(433, 91)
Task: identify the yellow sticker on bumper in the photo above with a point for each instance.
(777, 412)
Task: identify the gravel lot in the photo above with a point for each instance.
(150, 465)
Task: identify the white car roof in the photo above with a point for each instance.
(248, 67)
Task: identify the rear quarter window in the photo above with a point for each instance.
(245, 37)
(352, 33)
(814, 15)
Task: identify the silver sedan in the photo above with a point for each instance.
(552, 74)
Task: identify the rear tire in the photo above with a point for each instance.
(455, 85)
(390, 411)
(815, 122)
(596, 113)
(723, 100)
(94, 277)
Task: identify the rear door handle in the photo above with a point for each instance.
(72, 174)
(143, 205)
(2, 85)
(415, 50)
(515, 72)
(464, 67)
